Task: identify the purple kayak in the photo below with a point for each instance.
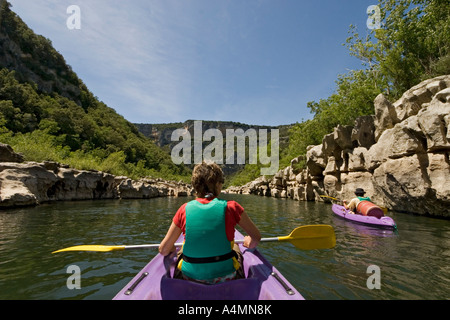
(383, 222)
(263, 282)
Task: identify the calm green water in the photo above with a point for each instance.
(414, 262)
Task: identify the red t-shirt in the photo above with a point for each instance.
(232, 216)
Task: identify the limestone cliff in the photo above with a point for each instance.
(32, 183)
(161, 135)
(400, 156)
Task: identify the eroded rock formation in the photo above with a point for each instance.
(32, 183)
(400, 156)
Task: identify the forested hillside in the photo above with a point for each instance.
(48, 113)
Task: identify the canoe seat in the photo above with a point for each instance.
(242, 289)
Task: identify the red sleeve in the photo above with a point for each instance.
(180, 218)
(232, 218)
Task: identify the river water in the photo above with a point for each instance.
(413, 262)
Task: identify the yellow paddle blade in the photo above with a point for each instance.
(312, 237)
(332, 198)
(97, 248)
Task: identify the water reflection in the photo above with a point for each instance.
(414, 262)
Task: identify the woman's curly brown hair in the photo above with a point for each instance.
(205, 177)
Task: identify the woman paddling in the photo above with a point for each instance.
(363, 205)
(353, 204)
(209, 254)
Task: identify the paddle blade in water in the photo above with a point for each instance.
(96, 248)
(312, 237)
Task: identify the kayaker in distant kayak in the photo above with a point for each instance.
(353, 204)
(209, 254)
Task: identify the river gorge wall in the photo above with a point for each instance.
(32, 183)
(400, 156)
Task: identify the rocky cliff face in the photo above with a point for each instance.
(32, 183)
(400, 156)
(161, 134)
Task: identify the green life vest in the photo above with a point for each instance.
(364, 199)
(206, 238)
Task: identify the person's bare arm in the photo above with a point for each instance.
(254, 236)
(167, 245)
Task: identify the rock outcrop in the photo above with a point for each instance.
(161, 135)
(32, 183)
(400, 156)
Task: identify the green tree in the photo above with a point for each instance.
(413, 43)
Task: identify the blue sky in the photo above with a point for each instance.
(251, 61)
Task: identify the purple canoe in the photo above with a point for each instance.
(263, 282)
(383, 222)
